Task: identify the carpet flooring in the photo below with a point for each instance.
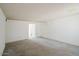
(40, 47)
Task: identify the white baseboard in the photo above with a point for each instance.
(57, 40)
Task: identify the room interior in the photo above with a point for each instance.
(39, 29)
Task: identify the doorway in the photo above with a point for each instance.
(32, 31)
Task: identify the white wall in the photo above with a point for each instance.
(18, 30)
(2, 32)
(43, 29)
(65, 29)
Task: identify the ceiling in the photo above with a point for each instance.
(37, 12)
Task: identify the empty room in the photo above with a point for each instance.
(39, 29)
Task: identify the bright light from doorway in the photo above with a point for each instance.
(32, 31)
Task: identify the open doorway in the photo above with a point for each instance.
(32, 31)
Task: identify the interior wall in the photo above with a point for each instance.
(43, 29)
(2, 32)
(18, 30)
(65, 29)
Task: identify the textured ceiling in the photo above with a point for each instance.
(37, 12)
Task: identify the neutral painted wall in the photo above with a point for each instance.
(18, 30)
(43, 29)
(2, 32)
(64, 29)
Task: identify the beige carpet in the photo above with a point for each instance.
(30, 48)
